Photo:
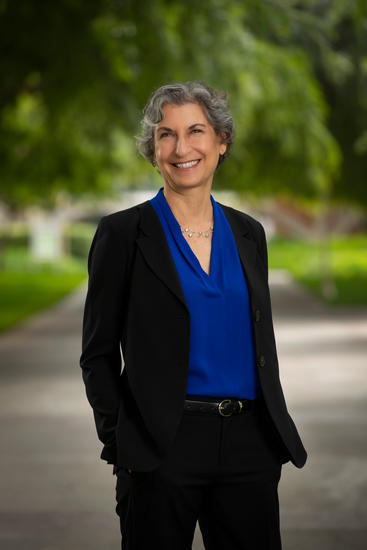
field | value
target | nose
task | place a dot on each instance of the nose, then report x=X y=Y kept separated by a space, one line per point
x=181 y=146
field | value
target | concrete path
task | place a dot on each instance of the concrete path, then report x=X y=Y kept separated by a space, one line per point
x=55 y=492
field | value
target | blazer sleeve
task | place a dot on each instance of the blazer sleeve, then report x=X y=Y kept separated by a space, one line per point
x=101 y=356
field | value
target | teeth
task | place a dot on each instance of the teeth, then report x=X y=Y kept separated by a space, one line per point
x=187 y=164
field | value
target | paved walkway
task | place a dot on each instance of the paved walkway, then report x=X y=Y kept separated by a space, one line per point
x=55 y=493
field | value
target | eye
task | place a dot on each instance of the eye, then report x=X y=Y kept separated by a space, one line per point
x=164 y=134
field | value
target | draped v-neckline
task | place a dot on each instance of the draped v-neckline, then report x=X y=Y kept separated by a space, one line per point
x=187 y=248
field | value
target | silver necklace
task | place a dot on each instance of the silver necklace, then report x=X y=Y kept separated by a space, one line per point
x=189 y=232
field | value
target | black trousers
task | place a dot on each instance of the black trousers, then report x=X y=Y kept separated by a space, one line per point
x=222 y=472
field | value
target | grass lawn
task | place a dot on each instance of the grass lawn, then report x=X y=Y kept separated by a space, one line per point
x=27 y=286
x=22 y=294
x=347 y=257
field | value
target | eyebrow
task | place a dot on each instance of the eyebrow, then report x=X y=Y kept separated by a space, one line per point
x=190 y=127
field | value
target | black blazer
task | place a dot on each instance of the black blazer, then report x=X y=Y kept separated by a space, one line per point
x=135 y=300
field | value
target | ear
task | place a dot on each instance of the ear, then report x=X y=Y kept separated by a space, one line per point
x=223 y=146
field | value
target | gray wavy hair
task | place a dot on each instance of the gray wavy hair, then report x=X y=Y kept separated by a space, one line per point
x=213 y=102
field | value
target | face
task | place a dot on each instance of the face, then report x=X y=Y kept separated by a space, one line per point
x=187 y=148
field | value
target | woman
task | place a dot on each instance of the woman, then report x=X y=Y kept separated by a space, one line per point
x=195 y=424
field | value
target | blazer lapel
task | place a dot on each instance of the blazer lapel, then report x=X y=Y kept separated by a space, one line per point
x=154 y=247
x=245 y=244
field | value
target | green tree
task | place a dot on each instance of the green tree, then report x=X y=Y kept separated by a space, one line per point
x=77 y=75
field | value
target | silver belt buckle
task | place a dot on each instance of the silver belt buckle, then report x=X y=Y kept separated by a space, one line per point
x=221 y=405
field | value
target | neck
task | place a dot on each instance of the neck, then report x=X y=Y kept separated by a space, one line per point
x=190 y=207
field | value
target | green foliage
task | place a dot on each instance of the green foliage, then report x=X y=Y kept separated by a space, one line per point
x=76 y=76
x=79 y=237
x=15 y=254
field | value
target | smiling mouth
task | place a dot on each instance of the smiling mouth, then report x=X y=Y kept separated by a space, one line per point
x=186 y=165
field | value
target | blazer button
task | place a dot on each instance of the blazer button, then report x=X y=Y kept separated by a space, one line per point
x=261 y=361
x=257 y=315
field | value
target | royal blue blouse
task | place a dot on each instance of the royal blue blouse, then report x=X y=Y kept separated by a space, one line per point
x=221 y=357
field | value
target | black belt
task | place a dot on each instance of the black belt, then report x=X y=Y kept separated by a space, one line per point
x=225 y=407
